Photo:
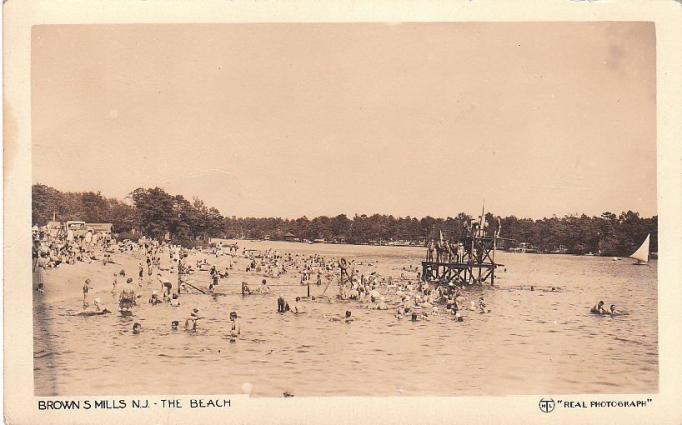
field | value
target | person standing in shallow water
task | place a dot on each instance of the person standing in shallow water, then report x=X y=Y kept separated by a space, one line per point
x=126 y=299
x=215 y=279
x=191 y=321
x=140 y=274
x=281 y=304
x=86 y=290
x=235 y=329
x=481 y=305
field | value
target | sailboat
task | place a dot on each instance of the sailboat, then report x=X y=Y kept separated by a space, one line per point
x=642 y=253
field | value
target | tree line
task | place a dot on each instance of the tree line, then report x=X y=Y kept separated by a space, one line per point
x=158 y=214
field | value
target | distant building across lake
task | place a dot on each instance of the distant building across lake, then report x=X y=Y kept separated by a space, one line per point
x=290 y=237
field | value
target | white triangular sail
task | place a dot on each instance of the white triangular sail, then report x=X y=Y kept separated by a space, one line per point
x=642 y=253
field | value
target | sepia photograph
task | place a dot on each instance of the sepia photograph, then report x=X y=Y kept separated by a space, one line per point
x=344 y=209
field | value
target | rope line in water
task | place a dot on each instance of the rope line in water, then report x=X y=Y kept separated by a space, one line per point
x=238 y=285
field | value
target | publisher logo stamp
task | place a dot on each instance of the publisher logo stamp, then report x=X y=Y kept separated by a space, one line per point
x=546 y=405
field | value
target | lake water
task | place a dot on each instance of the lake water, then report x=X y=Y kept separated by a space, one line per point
x=531 y=342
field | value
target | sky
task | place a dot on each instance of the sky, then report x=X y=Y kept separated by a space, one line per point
x=286 y=120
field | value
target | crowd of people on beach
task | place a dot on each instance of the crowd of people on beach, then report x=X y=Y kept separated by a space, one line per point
x=355 y=283
x=359 y=285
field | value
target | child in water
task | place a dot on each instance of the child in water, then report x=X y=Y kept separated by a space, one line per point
x=481 y=305
x=137 y=328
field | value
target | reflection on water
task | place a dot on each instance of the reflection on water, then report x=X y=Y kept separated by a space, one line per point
x=531 y=342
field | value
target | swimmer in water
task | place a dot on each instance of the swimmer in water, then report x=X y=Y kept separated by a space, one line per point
x=417 y=313
x=126 y=299
x=166 y=287
x=137 y=328
x=154 y=300
x=455 y=311
x=174 y=325
x=235 y=329
x=282 y=305
x=214 y=282
x=191 y=321
x=115 y=282
x=264 y=289
x=347 y=318
x=472 y=306
x=175 y=302
x=481 y=305
x=599 y=308
x=297 y=309
x=99 y=307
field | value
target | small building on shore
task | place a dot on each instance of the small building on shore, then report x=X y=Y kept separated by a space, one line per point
x=101 y=228
x=290 y=237
x=53 y=228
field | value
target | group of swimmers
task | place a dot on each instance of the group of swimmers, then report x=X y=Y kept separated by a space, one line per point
x=600 y=309
x=191 y=324
x=411 y=297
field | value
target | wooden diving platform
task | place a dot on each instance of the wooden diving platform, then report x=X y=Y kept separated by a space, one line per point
x=474 y=263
